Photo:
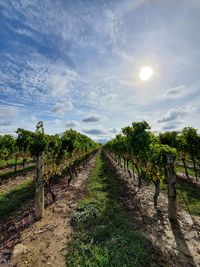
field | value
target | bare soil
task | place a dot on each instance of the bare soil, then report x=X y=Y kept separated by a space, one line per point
x=179 y=240
x=45 y=242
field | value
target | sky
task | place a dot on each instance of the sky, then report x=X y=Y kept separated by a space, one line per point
x=76 y=64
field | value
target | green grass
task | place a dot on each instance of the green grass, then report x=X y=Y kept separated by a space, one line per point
x=18 y=172
x=189 y=193
x=192 y=196
x=12 y=201
x=103 y=235
x=181 y=169
x=4 y=163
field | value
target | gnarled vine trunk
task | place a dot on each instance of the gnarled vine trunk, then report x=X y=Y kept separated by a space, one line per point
x=139 y=176
x=195 y=169
x=185 y=167
x=157 y=192
x=15 y=163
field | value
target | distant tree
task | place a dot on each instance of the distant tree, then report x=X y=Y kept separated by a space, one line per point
x=169 y=138
x=139 y=139
x=23 y=142
x=7 y=147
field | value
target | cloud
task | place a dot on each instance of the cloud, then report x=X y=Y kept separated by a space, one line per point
x=176 y=118
x=176 y=92
x=32 y=77
x=173 y=115
x=114 y=130
x=59 y=83
x=80 y=24
x=49 y=44
x=170 y=127
x=7 y=115
x=71 y=124
x=11 y=103
x=61 y=107
x=99 y=131
x=5 y=123
x=93 y=118
x=179 y=92
x=96 y=131
x=102 y=140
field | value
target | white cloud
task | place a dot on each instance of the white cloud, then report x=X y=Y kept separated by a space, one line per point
x=69 y=22
x=173 y=115
x=101 y=132
x=98 y=131
x=102 y=140
x=72 y=124
x=170 y=127
x=8 y=114
x=177 y=118
x=179 y=92
x=59 y=83
x=93 y=118
x=114 y=130
x=61 y=107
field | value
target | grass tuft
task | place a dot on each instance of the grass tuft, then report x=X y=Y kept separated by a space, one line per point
x=13 y=200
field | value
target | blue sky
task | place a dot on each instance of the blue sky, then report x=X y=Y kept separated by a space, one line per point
x=75 y=64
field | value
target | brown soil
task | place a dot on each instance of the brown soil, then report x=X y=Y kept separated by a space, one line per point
x=45 y=242
x=179 y=240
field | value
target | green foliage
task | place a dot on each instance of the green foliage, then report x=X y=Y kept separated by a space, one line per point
x=7 y=146
x=191 y=140
x=103 y=235
x=157 y=153
x=138 y=139
x=86 y=213
x=190 y=194
x=24 y=139
x=59 y=151
x=146 y=150
x=169 y=138
x=39 y=141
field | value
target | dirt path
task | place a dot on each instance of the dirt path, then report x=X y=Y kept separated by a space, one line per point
x=44 y=243
x=178 y=241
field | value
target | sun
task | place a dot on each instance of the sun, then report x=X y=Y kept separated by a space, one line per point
x=145 y=73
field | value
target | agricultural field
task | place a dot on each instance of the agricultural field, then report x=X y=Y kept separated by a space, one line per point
x=99 y=133
x=84 y=204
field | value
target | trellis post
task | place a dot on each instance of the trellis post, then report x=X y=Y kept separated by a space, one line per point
x=171 y=182
x=39 y=187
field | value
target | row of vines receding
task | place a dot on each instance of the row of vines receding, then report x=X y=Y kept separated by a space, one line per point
x=157 y=156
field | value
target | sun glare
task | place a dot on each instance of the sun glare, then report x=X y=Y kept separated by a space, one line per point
x=145 y=73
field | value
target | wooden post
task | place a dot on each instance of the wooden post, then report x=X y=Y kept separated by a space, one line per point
x=39 y=188
x=171 y=182
x=15 y=164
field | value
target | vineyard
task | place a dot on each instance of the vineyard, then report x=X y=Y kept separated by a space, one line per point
x=67 y=201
